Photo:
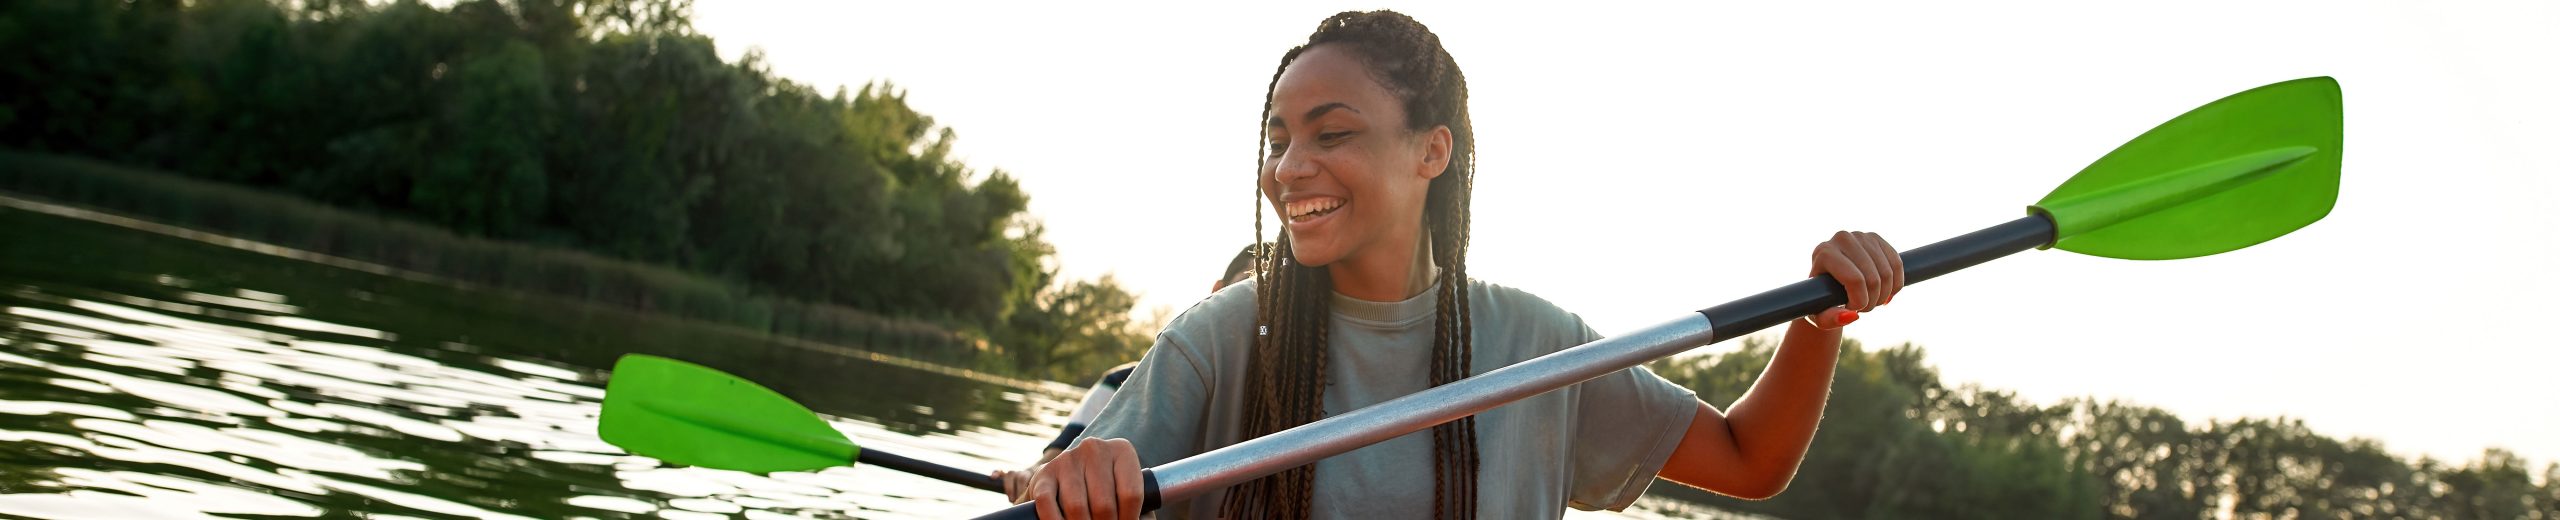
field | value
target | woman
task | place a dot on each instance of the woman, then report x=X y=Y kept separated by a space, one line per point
x=1370 y=155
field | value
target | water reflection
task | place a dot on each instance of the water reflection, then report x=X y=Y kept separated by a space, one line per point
x=187 y=403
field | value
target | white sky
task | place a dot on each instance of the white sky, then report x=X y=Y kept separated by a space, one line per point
x=1637 y=163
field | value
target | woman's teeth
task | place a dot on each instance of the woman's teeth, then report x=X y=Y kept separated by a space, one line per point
x=1312 y=208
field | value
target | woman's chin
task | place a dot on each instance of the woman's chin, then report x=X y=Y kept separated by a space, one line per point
x=1314 y=256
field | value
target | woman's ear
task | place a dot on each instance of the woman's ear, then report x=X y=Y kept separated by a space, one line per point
x=1435 y=152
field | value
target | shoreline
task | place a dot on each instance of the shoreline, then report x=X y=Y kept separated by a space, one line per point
x=13 y=199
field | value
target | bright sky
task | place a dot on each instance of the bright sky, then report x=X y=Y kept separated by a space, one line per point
x=1637 y=163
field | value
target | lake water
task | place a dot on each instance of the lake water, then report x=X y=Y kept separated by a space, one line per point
x=150 y=377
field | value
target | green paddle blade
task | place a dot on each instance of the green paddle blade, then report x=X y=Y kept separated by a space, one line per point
x=2242 y=170
x=691 y=414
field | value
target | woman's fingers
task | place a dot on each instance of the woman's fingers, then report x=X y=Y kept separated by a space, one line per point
x=1879 y=268
x=1070 y=471
x=1105 y=480
x=1835 y=259
x=1865 y=272
x=1868 y=269
x=1133 y=489
x=1070 y=493
x=1101 y=486
x=1097 y=478
x=1893 y=265
x=1044 y=494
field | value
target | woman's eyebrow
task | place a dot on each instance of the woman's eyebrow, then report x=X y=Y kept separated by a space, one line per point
x=1312 y=114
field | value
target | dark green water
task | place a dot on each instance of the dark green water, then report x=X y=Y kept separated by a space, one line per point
x=149 y=377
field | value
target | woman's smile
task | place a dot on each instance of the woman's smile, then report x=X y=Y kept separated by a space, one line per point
x=1312 y=208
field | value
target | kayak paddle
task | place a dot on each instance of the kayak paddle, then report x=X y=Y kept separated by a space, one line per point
x=694 y=415
x=2233 y=173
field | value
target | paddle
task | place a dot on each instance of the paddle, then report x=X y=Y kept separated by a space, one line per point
x=2230 y=174
x=693 y=415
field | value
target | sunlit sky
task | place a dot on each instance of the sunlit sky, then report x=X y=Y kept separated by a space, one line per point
x=1638 y=162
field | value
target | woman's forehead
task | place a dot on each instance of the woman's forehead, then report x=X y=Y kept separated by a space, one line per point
x=1325 y=79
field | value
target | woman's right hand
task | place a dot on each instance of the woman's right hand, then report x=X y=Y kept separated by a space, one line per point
x=1095 y=478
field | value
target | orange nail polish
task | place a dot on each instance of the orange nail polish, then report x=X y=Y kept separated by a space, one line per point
x=1847 y=316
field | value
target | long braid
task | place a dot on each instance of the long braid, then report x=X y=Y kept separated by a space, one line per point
x=1449 y=249
x=1447 y=212
x=1277 y=372
x=1292 y=304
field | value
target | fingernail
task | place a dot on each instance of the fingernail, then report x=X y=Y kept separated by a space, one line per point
x=1846 y=316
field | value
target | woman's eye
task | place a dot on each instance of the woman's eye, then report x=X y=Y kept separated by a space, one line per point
x=1277 y=147
x=1333 y=137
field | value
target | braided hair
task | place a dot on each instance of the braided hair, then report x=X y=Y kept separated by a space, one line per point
x=1286 y=372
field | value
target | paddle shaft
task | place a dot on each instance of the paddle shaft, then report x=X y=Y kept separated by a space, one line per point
x=872 y=457
x=1760 y=311
x=1308 y=443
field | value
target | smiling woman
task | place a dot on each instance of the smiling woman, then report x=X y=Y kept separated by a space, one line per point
x=1370 y=163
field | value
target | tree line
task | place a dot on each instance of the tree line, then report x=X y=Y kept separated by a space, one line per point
x=1897 y=442
x=607 y=126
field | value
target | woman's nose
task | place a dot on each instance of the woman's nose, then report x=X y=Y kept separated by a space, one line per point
x=1292 y=166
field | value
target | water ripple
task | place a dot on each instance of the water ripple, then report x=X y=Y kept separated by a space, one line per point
x=198 y=403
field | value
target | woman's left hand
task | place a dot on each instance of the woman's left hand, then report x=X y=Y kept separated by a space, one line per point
x=1865 y=265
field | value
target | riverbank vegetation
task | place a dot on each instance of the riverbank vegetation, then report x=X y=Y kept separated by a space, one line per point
x=1897 y=442
x=487 y=141
x=283 y=220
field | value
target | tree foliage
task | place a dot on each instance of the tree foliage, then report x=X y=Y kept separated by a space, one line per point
x=1896 y=442
x=603 y=125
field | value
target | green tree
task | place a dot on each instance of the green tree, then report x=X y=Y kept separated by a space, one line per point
x=1076 y=331
x=84 y=77
x=386 y=69
x=488 y=176
x=605 y=125
x=2153 y=465
x=2495 y=486
x=658 y=117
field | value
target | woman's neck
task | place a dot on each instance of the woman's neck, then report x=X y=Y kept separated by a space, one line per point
x=1385 y=278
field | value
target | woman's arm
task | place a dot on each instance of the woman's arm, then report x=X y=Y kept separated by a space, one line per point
x=1753 y=452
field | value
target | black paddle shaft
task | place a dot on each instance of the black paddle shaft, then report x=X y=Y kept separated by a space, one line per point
x=1760 y=311
x=872 y=457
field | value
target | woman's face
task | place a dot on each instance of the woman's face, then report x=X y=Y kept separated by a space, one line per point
x=1344 y=174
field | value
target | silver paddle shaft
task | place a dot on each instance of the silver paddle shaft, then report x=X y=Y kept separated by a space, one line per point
x=1244 y=461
